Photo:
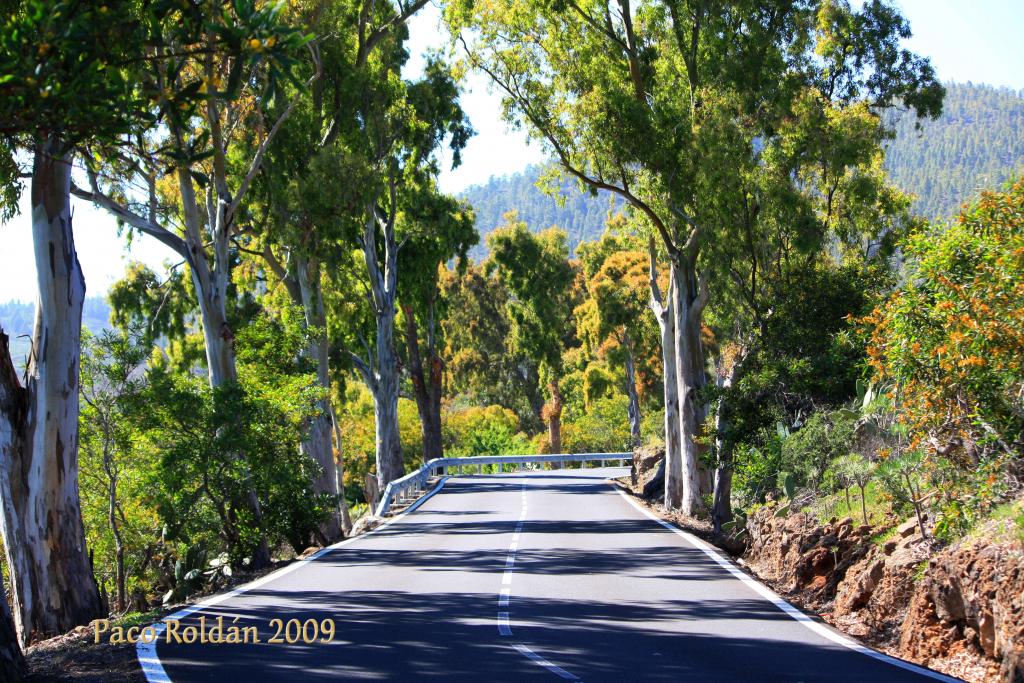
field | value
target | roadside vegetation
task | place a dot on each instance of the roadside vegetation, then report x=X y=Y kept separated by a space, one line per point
x=761 y=303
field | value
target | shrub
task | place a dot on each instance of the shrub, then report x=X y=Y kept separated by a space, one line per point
x=493 y=430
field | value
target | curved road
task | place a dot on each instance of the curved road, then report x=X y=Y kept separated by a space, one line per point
x=543 y=576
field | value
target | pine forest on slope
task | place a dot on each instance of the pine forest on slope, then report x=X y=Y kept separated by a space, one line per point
x=978 y=142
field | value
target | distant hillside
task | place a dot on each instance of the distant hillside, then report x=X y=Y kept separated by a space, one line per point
x=17 y=320
x=978 y=142
x=582 y=216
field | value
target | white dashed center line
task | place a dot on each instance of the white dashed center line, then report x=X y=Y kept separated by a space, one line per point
x=505 y=596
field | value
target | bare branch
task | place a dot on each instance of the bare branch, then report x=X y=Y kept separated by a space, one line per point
x=141 y=224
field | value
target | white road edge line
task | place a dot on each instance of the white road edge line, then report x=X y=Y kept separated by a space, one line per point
x=781 y=603
x=149 y=660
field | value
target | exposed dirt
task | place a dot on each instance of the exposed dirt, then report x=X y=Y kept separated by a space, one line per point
x=76 y=656
x=959 y=610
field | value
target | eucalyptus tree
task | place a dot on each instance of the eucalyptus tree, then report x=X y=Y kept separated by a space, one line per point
x=814 y=205
x=476 y=329
x=302 y=233
x=184 y=184
x=616 y=272
x=539 y=277
x=444 y=231
x=73 y=74
x=653 y=102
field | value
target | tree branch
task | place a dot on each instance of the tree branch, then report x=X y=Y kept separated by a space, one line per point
x=141 y=224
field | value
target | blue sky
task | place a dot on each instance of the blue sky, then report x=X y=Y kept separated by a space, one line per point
x=976 y=40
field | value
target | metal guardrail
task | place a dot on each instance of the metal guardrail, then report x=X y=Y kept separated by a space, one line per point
x=412 y=485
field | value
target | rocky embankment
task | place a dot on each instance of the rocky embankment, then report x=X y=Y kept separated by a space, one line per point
x=957 y=609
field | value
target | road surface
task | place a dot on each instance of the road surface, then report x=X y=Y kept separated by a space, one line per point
x=545 y=576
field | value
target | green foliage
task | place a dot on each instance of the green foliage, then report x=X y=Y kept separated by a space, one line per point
x=493 y=430
x=194 y=572
x=977 y=141
x=951 y=337
x=355 y=414
x=113 y=460
x=604 y=428
x=476 y=328
x=71 y=68
x=948 y=343
x=809 y=450
x=211 y=444
x=582 y=216
x=538 y=275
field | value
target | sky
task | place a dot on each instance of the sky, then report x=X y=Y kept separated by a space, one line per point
x=978 y=41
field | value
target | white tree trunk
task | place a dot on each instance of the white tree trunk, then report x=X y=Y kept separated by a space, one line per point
x=634 y=398
x=662 y=307
x=382 y=376
x=53 y=585
x=385 y=398
x=687 y=306
x=211 y=285
x=316 y=443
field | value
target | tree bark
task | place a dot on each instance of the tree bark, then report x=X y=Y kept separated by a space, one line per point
x=119 y=577
x=382 y=376
x=346 y=515
x=688 y=305
x=53 y=586
x=211 y=285
x=12 y=662
x=428 y=395
x=662 y=307
x=634 y=399
x=553 y=411
x=721 y=509
x=316 y=443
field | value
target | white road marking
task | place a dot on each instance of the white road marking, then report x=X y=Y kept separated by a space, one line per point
x=149 y=660
x=504 y=597
x=536 y=658
x=772 y=597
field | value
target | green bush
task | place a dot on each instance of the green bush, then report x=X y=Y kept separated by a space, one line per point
x=604 y=428
x=808 y=451
x=493 y=430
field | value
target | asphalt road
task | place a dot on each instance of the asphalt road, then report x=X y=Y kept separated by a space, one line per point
x=545 y=576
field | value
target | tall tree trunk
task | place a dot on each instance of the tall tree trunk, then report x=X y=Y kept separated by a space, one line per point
x=721 y=511
x=634 y=399
x=553 y=413
x=53 y=586
x=316 y=442
x=688 y=306
x=119 y=577
x=382 y=377
x=12 y=662
x=428 y=395
x=662 y=307
x=346 y=515
x=211 y=285
x=385 y=413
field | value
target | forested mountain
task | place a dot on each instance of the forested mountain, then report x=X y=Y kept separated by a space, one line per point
x=17 y=318
x=581 y=215
x=977 y=142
